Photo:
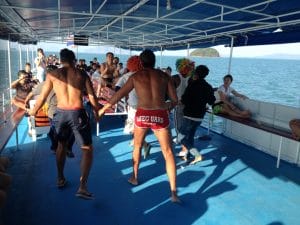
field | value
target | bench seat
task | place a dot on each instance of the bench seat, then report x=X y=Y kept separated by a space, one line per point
x=270 y=128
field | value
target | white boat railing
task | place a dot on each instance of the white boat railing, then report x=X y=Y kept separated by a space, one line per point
x=264 y=114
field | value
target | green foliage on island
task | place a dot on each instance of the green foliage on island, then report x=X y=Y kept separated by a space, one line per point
x=205 y=52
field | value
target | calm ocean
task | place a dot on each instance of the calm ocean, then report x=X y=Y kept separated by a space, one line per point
x=270 y=80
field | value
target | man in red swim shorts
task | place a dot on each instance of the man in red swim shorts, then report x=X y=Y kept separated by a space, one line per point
x=155 y=119
x=151 y=86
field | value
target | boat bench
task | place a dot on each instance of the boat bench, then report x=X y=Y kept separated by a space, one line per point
x=280 y=131
x=9 y=124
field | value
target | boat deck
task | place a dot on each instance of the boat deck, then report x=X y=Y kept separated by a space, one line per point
x=235 y=184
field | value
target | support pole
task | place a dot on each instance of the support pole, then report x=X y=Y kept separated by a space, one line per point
x=32 y=59
x=188 y=51
x=161 y=49
x=20 y=57
x=9 y=68
x=27 y=54
x=157 y=9
x=230 y=58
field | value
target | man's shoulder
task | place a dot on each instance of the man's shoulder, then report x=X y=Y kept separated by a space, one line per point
x=207 y=84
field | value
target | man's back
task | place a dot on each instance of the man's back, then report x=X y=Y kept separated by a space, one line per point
x=68 y=84
x=151 y=86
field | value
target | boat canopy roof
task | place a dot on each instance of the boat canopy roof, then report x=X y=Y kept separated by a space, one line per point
x=155 y=24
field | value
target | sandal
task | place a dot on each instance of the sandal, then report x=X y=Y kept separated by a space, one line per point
x=61 y=183
x=84 y=194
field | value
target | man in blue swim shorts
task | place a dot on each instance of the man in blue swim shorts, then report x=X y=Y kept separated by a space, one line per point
x=68 y=84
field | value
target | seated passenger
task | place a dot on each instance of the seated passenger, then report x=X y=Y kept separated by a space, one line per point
x=223 y=104
x=295 y=127
x=23 y=87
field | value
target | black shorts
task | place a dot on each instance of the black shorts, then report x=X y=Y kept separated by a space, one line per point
x=76 y=121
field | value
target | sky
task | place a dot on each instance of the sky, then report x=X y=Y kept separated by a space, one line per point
x=273 y=51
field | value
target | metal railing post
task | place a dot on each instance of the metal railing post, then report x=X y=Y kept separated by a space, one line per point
x=20 y=56
x=230 y=58
x=9 y=68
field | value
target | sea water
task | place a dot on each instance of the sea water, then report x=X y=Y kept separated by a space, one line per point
x=269 y=80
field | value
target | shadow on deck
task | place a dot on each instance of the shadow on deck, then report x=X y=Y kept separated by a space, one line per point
x=235 y=184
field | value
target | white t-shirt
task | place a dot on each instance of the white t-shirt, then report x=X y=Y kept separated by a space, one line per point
x=132 y=97
x=222 y=89
x=182 y=86
x=226 y=92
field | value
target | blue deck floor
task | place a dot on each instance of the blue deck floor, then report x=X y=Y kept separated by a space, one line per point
x=235 y=184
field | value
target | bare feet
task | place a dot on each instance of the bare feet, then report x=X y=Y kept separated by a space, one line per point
x=133 y=181
x=246 y=114
x=297 y=138
x=174 y=197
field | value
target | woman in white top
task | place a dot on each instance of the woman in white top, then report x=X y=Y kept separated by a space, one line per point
x=41 y=64
x=223 y=104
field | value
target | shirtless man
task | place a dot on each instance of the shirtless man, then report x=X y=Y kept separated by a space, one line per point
x=108 y=69
x=295 y=127
x=151 y=86
x=68 y=84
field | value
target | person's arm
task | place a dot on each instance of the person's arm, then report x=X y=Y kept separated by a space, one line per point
x=128 y=86
x=211 y=96
x=172 y=94
x=175 y=80
x=120 y=83
x=36 y=90
x=92 y=96
x=116 y=73
x=223 y=96
x=235 y=93
x=225 y=99
x=39 y=61
x=103 y=69
x=14 y=84
x=29 y=96
x=43 y=96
